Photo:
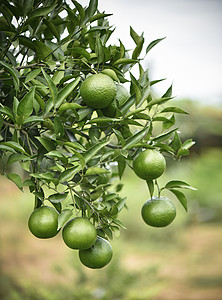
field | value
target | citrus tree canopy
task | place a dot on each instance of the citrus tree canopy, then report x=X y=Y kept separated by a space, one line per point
x=75 y=112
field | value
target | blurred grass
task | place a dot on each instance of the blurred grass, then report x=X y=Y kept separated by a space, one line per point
x=148 y=263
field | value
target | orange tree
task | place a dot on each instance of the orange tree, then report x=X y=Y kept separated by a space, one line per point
x=71 y=149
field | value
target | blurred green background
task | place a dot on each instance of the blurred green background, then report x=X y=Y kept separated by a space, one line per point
x=182 y=261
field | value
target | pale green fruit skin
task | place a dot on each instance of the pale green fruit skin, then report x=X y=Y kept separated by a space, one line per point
x=149 y=164
x=158 y=212
x=43 y=222
x=98 y=256
x=79 y=233
x=98 y=90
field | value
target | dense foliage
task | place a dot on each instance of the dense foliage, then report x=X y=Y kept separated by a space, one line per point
x=73 y=154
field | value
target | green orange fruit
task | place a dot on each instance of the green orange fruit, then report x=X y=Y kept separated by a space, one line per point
x=149 y=164
x=43 y=222
x=79 y=233
x=98 y=256
x=98 y=90
x=158 y=212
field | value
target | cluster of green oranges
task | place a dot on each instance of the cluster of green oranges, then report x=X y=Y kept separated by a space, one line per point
x=100 y=92
x=78 y=233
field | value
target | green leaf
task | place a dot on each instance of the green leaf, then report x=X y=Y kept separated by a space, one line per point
x=176 y=142
x=102 y=120
x=42 y=51
x=178 y=184
x=27 y=42
x=25 y=107
x=48 y=144
x=135 y=138
x=16 y=179
x=40 y=12
x=99 y=49
x=184 y=149
x=94 y=149
x=32 y=75
x=168 y=92
x=159 y=101
x=124 y=61
x=6 y=28
x=80 y=51
x=51 y=85
x=52 y=28
x=121 y=165
x=68 y=174
x=138 y=49
x=188 y=144
x=14 y=145
x=80 y=157
x=90 y=11
x=67 y=106
x=1 y=122
x=27 y=6
x=164 y=136
x=99 y=16
x=137 y=39
x=58 y=197
x=7 y=111
x=150 y=185
x=169 y=122
x=121 y=204
x=64 y=93
x=96 y=171
x=74 y=145
x=153 y=43
x=119 y=223
x=80 y=9
x=144 y=95
x=13 y=72
x=173 y=109
x=33 y=119
x=126 y=106
x=58 y=127
x=181 y=197
x=17 y=157
x=64 y=217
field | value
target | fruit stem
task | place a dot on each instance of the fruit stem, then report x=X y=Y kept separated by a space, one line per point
x=158 y=188
x=73 y=199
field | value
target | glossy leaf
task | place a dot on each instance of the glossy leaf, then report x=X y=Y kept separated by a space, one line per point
x=150 y=185
x=153 y=43
x=14 y=73
x=41 y=11
x=64 y=216
x=93 y=150
x=178 y=184
x=16 y=179
x=51 y=85
x=181 y=197
x=58 y=197
x=25 y=106
x=174 y=109
x=65 y=92
x=135 y=138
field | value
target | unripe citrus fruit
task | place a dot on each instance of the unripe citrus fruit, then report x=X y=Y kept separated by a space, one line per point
x=158 y=212
x=149 y=164
x=43 y=222
x=79 y=233
x=98 y=90
x=98 y=256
